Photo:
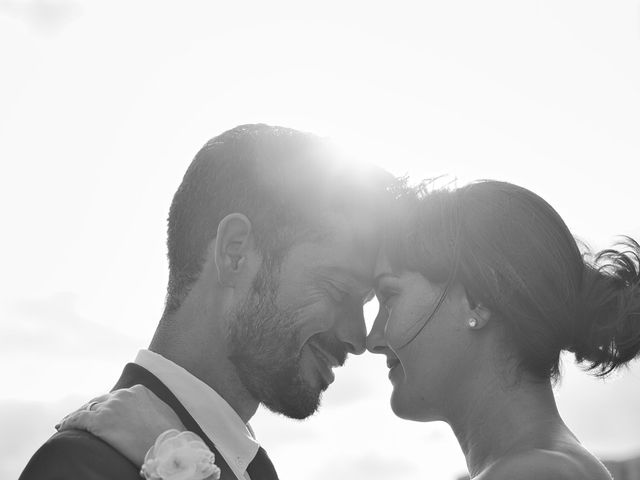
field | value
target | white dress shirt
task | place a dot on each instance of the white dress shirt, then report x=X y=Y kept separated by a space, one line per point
x=231 y=436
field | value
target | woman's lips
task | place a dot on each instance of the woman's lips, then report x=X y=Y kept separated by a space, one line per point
x=392 y=363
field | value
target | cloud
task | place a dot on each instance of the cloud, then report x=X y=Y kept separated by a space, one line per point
x=50 y=351
x=46 y=16
x=51 y=327
x=602 y=413
x=370 y=465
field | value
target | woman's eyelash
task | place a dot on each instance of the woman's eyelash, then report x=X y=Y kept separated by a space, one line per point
x=385 y=295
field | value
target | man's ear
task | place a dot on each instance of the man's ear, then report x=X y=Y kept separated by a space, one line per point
x=233 y=243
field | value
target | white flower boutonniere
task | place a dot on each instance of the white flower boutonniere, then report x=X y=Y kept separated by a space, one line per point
x=179 y=456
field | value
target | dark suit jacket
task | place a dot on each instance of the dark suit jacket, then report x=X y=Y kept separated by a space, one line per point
x=76 y=454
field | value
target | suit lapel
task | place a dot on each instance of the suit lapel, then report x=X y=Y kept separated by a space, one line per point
x=134 y=374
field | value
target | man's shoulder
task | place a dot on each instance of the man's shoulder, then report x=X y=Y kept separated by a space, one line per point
x=541 y=464
x=77 y=454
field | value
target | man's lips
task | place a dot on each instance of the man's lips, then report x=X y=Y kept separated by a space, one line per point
x=326 y=356
x=325 y=360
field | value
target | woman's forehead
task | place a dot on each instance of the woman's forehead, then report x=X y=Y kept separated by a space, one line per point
x=390 y=261
x=383 y=264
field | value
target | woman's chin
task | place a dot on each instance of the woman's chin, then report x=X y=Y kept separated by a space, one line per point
x=409 y=410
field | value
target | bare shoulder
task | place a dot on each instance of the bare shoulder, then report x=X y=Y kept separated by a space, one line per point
x=542 y=464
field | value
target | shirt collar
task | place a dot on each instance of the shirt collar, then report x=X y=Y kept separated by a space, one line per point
x=233 y=439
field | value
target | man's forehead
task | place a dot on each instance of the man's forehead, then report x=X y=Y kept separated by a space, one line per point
x=362 y=234
x=341 y=251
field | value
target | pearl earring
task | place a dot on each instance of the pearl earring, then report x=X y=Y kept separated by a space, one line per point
x=473 y=322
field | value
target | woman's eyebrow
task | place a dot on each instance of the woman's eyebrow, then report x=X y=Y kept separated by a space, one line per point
x=380 y=277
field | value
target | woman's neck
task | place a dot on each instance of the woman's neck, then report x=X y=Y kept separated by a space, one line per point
x=498 y=418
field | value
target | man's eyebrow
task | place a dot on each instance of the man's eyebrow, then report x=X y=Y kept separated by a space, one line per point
x=358 y=278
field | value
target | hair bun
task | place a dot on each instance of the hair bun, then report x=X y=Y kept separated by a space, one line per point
x=607 y=328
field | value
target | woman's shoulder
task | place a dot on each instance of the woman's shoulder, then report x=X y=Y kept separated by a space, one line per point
x=540 y=464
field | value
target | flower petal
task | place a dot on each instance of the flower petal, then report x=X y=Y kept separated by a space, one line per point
x=180 y=456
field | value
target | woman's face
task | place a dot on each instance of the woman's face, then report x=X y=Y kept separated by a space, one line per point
x=427 y=366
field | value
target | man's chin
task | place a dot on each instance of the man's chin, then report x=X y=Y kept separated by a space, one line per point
x=296 y=405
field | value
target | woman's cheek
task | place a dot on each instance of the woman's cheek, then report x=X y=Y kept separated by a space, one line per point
x=398 y=328
x=405 y=321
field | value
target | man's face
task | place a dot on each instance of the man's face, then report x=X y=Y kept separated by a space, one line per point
x=302 y=317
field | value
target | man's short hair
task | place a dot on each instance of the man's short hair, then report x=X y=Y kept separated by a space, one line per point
x=283 y=180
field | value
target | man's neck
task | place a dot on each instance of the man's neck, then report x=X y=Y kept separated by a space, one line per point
x=206 y=360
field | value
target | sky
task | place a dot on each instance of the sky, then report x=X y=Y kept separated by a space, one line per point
x=104 y=104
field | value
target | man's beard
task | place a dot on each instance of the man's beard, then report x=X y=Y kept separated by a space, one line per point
x=265 y=349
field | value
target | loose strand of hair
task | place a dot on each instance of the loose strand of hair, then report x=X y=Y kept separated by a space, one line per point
x=452 y=274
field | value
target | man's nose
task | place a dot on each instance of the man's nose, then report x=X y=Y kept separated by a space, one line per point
x=352 y=331
x=376 y=342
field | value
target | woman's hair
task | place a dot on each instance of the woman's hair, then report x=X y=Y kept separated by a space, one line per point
x=514 y=254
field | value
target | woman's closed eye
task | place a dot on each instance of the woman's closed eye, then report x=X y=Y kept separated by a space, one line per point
x=386 y=297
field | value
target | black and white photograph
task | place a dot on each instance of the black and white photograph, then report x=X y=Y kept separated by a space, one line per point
x=320 y=240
